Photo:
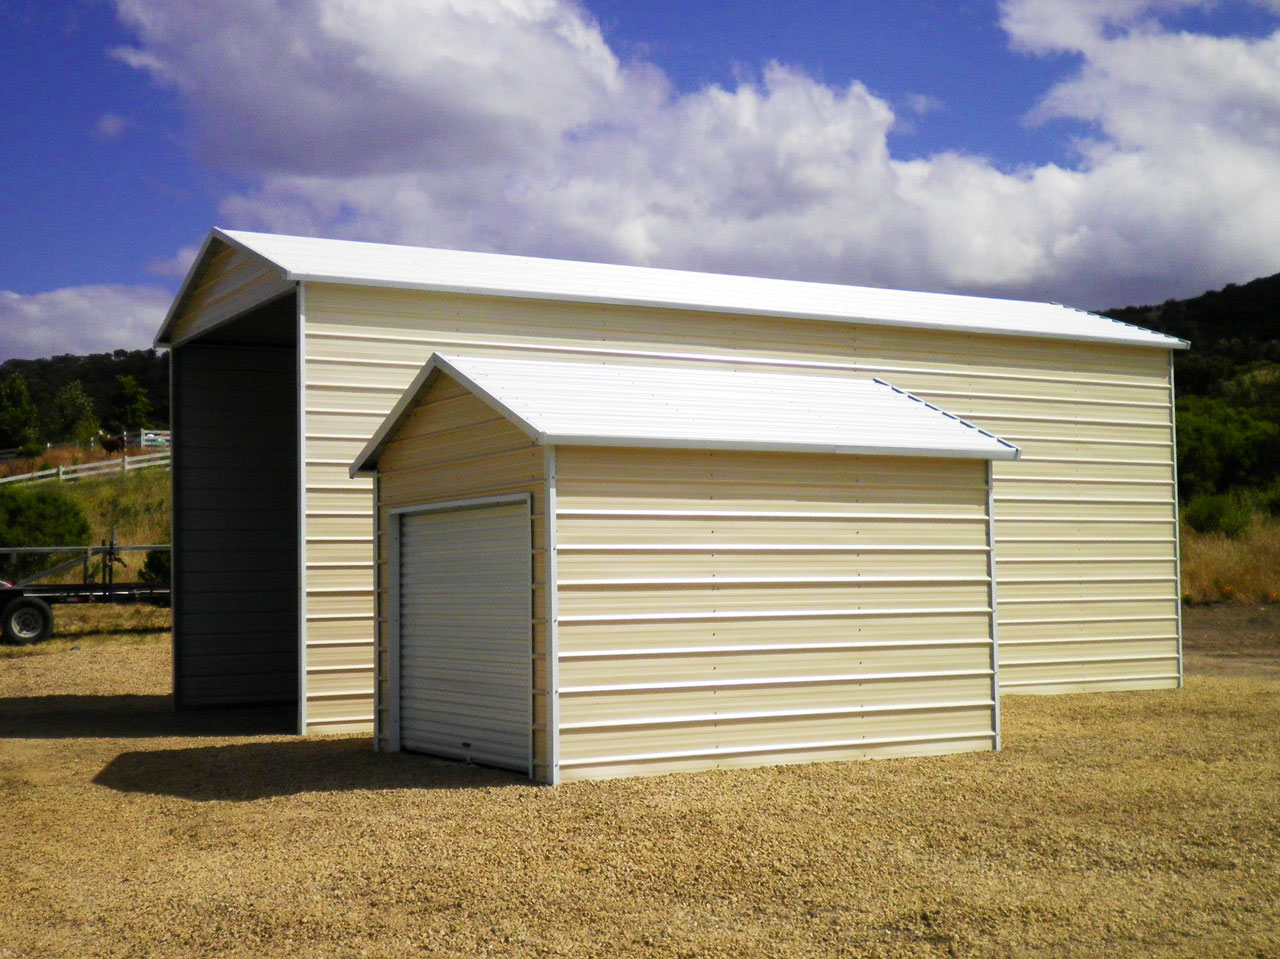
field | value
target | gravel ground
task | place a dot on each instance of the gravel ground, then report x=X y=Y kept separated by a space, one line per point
x=1134 y=824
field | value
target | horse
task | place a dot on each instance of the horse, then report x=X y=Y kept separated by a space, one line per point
x=112 y=444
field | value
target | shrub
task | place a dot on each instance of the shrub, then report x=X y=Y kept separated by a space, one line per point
x=44 y=516
x=1218 y=513
x=1269 y=499
x=157 y=567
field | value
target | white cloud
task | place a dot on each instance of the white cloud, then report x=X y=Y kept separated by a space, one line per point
x=176 y=265
x=347 y=86
x=922 y=103
x=511 y=125
x=80 y=319
x=111 y=125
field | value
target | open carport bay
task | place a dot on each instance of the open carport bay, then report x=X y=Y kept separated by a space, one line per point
x=1141 y=824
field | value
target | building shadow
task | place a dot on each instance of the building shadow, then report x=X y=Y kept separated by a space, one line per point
x=127 y=717
x=244 y=772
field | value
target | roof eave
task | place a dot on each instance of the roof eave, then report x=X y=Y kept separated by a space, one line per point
x=162 y=335
x=216 y=234
x=1004 y=452
x=366 y=462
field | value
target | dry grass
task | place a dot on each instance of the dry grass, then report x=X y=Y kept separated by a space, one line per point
x=64 y=456
x=98 y=624
x=1136 y=824
x=1216 y=567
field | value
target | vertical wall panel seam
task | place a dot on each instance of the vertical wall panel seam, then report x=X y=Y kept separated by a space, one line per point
x=393 y=634
x=301 y=438
x=992 y=598
x=1177 y=525
x=551 y=579
x=379 y=588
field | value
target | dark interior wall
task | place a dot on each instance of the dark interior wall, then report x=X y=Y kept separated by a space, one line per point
x=235 y=512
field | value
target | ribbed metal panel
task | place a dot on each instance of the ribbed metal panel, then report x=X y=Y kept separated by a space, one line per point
x=739 y=608
x=364 y=346
x=487 y=274
x=465 y=582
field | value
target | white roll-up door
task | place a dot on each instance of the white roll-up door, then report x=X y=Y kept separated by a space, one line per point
x=466 y=683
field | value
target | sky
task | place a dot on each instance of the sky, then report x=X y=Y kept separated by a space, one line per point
x=1091 y=152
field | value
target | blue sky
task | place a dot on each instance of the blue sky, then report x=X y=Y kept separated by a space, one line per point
x=1096 y=153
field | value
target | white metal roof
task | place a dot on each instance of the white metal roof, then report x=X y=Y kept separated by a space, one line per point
x=559 y=402
x=412 y=267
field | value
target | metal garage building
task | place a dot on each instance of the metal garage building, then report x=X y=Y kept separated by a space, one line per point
x=600 y=569
x=287 y=353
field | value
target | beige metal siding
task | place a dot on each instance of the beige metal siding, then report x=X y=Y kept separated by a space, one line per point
x=728 y=608
x=1085 y=520
x=231 y=283
x=1080 y=412
x=453 y=446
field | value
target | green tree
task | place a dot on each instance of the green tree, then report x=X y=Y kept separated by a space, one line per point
x=72 y=418
x=1223 y=447
x=17 y=413
x=44 y=516
x=130 y=408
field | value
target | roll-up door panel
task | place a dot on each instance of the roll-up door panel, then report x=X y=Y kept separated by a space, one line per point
x=466 y=634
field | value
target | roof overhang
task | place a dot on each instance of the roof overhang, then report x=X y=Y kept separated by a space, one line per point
x=312 y=260
x=704 y=401
x=215 y=239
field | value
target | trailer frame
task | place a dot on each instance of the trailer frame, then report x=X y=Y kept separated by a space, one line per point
x=26 y=616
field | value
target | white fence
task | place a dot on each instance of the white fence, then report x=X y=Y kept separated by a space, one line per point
x=121 y=465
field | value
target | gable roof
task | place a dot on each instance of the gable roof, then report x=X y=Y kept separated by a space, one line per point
x=559 y=402
x=492 y=274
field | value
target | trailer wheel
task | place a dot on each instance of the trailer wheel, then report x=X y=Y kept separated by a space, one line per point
x=26 y=620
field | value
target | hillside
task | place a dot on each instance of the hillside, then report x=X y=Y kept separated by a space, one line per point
x=1231 y=330
x=1228 y=387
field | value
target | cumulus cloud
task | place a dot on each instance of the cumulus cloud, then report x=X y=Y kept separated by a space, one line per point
x=511 y=125
x=80 y=319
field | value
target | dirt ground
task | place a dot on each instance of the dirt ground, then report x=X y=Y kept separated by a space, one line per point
x=1232 y=639
x=1124 y=824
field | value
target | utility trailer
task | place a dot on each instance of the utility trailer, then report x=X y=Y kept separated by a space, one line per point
x=26 y=614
